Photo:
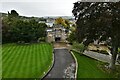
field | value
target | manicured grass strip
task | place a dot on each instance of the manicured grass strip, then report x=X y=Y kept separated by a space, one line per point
x=15 y=64
x=8 y=54
x=26 y=61
x=87 y=67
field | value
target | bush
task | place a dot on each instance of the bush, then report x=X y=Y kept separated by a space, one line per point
x=103 y=52
x=72 y=37
x=79 y=46
x=118 y=50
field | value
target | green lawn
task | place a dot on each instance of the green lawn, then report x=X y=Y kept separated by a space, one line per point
x=26 y=61
x=88 y=68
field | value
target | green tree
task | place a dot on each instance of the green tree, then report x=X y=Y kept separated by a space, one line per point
x=8 y=22
x=15 y=29
x=98 y=21
x=5 y=30
x=28 y=31
x=13 y=13
x=72 y=37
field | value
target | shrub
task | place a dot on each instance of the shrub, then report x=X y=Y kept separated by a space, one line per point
x=79 y=46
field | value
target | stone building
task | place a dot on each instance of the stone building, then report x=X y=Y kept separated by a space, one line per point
x=56 y=33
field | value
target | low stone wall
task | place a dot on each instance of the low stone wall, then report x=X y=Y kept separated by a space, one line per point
x=98 y=56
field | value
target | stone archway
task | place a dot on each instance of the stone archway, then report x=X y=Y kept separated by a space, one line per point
x=57 y=39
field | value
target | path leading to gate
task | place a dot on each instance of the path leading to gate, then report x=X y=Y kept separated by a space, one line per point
x=63 y=59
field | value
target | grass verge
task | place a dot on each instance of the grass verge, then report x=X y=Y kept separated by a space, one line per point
x=88 y=67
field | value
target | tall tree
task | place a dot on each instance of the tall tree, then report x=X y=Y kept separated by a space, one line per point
x=13 y=13
x=98 y=21
x=7 y=23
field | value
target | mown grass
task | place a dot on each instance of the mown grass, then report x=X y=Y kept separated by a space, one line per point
x=26 y=61
x=88 y=67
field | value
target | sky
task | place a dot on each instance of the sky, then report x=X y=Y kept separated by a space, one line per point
x=39 y=8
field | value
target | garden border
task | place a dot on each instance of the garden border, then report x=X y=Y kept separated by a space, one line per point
x=76 y=64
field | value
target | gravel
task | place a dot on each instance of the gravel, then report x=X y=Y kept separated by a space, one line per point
x=70 y=71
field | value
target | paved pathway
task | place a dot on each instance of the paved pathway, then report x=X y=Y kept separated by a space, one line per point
x=59 y=45
x=62 y=60
x=98 y=56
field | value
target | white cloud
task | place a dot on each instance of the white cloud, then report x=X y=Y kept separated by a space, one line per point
x=39 y=8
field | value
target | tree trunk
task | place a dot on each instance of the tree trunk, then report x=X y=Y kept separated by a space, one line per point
x=113 y=58
x=112 y=62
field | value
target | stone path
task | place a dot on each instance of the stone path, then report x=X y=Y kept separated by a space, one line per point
x=64 y=63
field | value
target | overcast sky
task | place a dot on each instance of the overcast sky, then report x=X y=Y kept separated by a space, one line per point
x=39 y=7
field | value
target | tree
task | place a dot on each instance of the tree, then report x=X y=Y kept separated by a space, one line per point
x=98 y=21
x=72 y=37
x=63 y=22
x=5 y=29
x=8 y=22
x=15 y=29
x=28 y=31
x=13 y=13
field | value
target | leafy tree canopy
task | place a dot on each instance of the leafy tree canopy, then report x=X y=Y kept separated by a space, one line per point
x=13 y=13
x=63 y=22
x=98 y=21
x=15 y=29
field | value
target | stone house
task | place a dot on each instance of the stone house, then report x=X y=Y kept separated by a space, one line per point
x=56 y=33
